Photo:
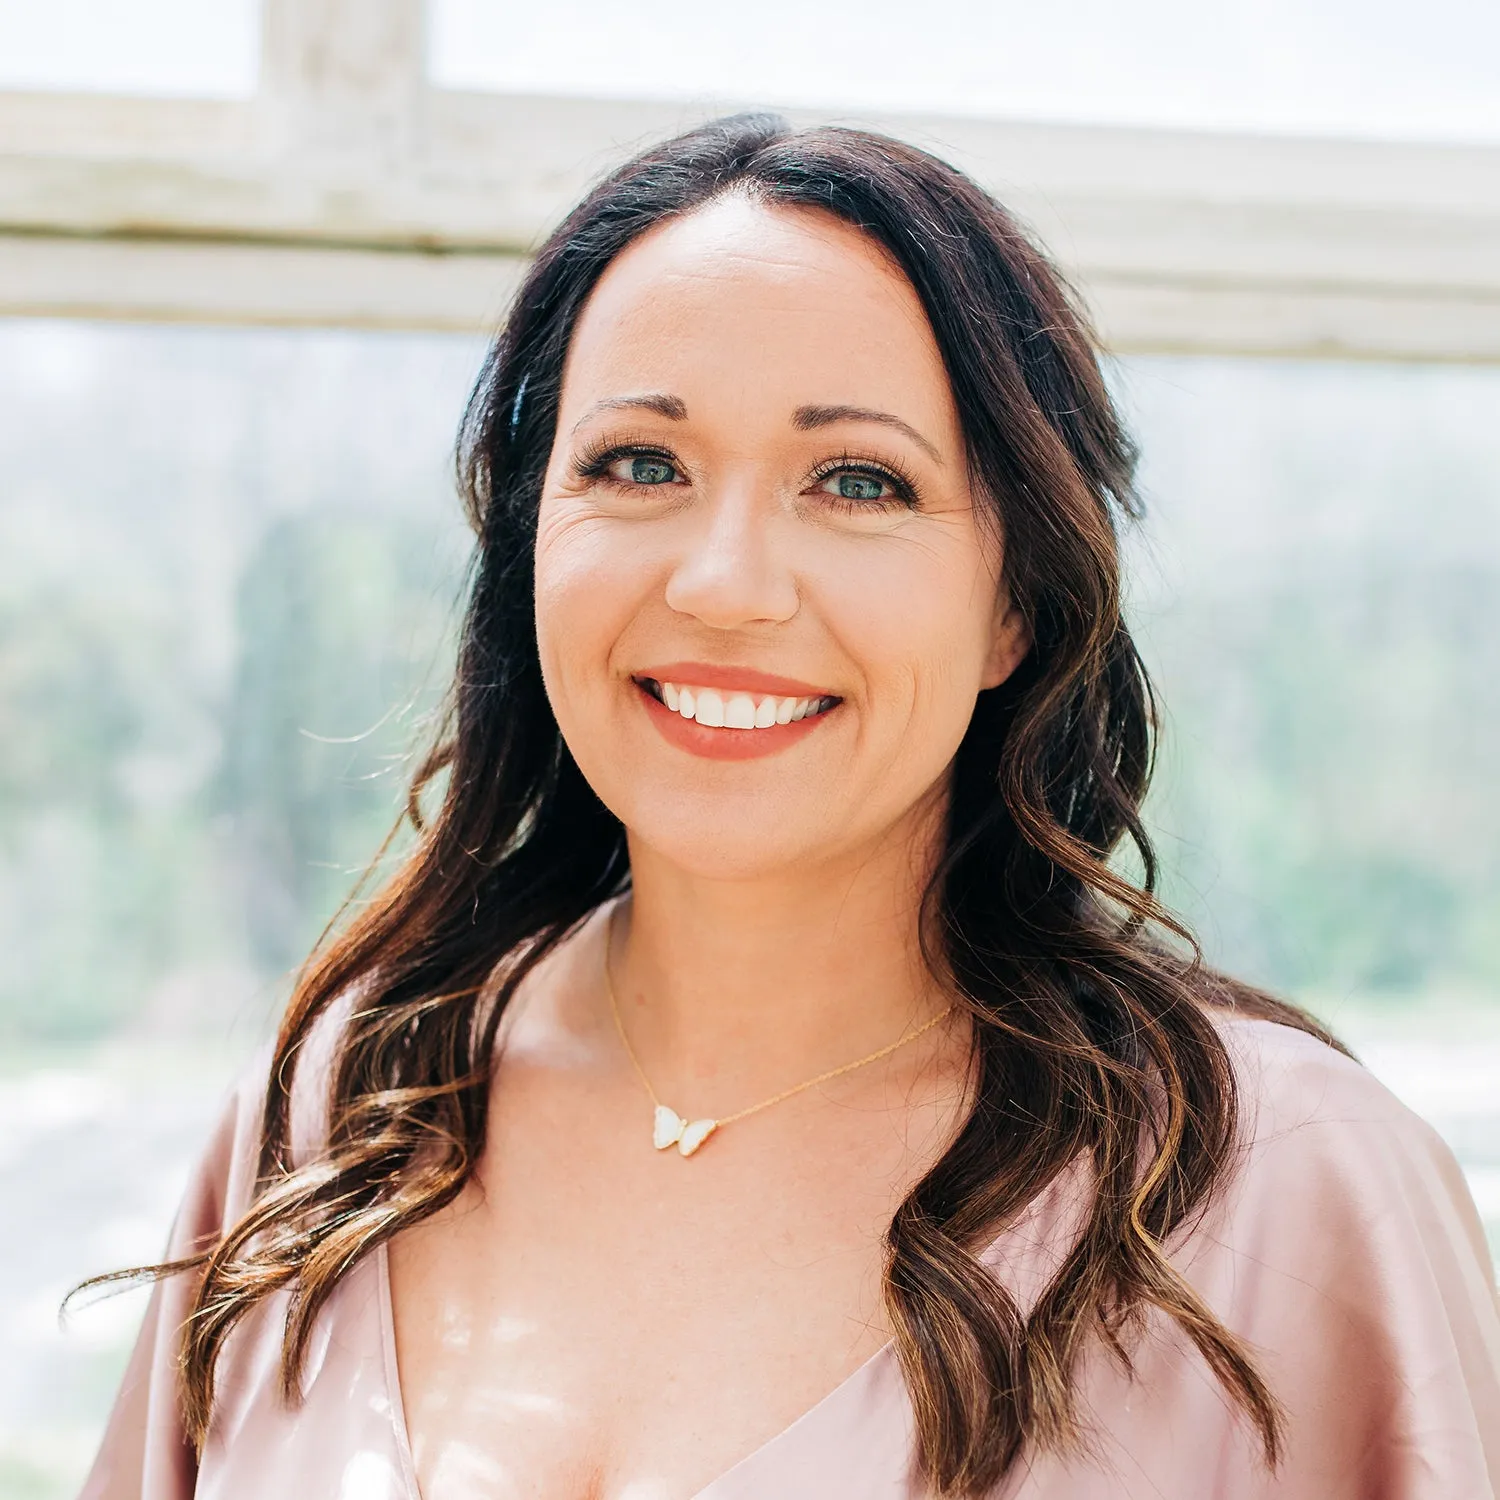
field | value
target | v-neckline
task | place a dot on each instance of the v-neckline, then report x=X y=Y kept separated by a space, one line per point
x=391 y=1373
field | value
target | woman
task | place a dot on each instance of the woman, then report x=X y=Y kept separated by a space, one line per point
x=759 y=1081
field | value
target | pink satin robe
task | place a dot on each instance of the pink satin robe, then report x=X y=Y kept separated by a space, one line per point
x=1345 y=1249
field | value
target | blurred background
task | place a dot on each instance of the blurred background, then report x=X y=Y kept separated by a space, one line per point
x=249 y=254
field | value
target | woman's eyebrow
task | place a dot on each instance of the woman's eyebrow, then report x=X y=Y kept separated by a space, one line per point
x=674 y=408
x=805 y=418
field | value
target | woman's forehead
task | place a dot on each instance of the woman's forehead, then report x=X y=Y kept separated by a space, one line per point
x=741 y=293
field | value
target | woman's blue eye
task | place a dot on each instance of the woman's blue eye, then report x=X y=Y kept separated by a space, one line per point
x=851 y=485
x=646 y=469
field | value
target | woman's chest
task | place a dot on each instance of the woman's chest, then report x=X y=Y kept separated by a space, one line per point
x=609 y=1320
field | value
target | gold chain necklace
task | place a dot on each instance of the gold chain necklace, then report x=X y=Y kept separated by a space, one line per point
x=670 y=1129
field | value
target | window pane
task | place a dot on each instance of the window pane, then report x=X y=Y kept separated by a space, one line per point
x=1314 y=584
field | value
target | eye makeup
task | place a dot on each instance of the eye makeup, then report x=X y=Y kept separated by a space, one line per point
x=903 y=488
x=595 y=460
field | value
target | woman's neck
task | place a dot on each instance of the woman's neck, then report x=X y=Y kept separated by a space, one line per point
x=734 y=989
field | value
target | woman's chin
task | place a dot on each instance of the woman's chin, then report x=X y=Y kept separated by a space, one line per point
x=727 y=849
x=766 y=828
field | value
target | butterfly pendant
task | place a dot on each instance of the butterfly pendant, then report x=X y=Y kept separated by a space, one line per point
x=672 y=1130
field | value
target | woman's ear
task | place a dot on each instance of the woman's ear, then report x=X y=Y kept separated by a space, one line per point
x=1010 y=640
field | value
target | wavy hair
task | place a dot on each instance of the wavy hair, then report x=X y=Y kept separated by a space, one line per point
x=1092 y=1037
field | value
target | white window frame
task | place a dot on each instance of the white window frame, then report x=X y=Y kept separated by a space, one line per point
x=350 y=192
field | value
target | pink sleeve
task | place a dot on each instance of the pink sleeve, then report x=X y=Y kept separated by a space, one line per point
x=1354 y=1263
x=145 y=1454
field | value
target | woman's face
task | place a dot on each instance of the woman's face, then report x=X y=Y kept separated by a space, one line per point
x=766 y=595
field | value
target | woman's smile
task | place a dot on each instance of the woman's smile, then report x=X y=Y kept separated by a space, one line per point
x=730 y=714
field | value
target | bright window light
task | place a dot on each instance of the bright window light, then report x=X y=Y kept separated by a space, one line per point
x=188 y=48
x=1361 y=68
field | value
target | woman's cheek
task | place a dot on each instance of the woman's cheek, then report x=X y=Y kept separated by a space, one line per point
x=916 y=614
x=578 y=592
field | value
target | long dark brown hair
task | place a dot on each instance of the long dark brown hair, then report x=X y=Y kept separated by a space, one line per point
x=1092 y=1037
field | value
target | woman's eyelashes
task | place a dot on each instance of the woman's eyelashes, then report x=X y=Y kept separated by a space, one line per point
x=852 y=484
x=858 y=484
x=628 y=466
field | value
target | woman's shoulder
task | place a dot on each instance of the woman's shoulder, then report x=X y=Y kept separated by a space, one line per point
x=145 y=1450
x=1315 y=1121
x=1337 y=1183
x=228 y=1165
x=1344 y=1248
x=1301 y=1099
x=1290 y=1079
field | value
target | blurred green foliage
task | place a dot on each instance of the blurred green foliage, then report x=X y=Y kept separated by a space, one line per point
x=1315 y=591
x=341 y=652
x=122 y=873
x=1327 y=790
x=225 y=617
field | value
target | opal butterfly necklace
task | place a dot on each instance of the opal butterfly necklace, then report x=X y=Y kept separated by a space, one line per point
x=670 y=1129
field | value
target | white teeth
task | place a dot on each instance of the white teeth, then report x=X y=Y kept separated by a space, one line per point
x=715 y=710
x=739 y=712
x=710 y=708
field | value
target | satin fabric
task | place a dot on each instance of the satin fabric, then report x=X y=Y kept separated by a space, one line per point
x=1345 y=1249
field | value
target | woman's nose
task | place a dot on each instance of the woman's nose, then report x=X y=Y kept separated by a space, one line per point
x=731 y=572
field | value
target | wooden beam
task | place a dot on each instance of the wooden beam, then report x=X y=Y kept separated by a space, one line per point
x=349 y=191
x=217 y=281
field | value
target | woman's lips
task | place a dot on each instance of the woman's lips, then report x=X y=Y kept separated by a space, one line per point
x=721 y=724
x=731 y=679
